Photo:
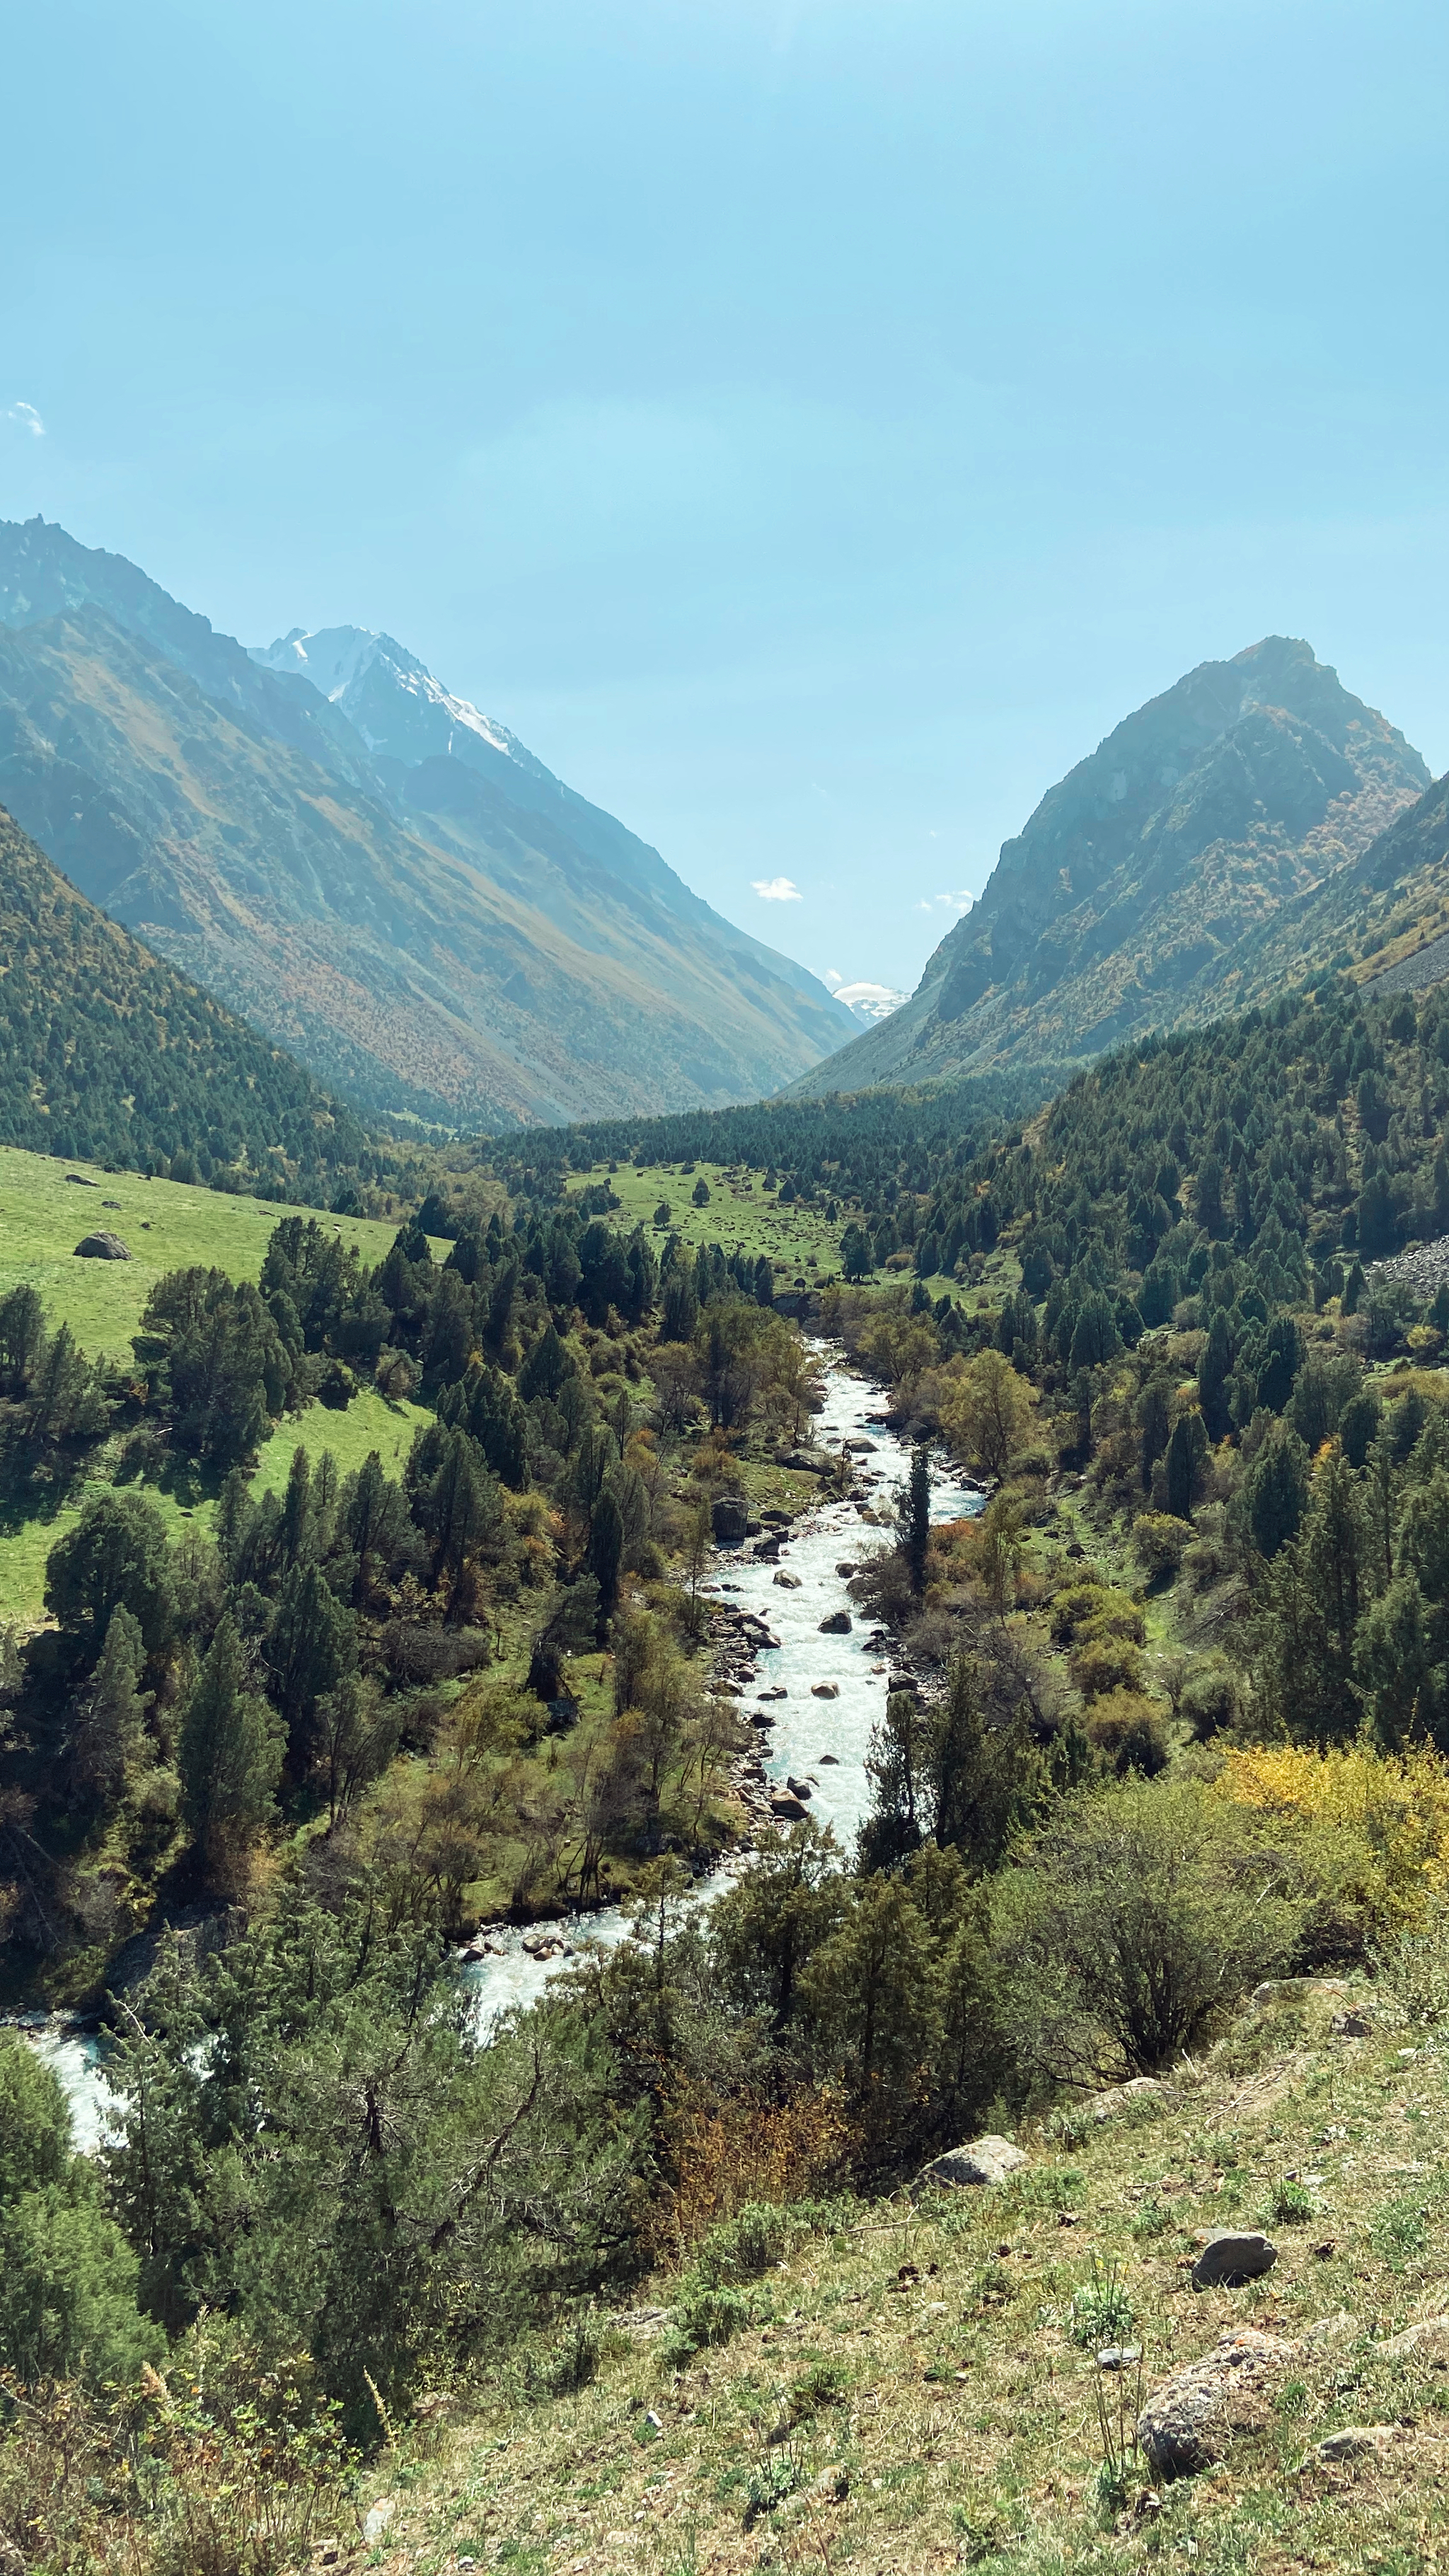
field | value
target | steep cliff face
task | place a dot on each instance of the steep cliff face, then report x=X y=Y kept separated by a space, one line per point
x=1133 y=894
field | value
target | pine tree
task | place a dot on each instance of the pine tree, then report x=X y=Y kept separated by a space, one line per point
x=916 y=1518
x=230 y=1750
x=111 y=1725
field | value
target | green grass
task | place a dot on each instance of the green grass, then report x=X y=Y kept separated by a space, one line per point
x=166 y=1225
x=960 y=2427
x=741 y=1214
x=43 y=1217
x=187 y=1499
x=369 y=1422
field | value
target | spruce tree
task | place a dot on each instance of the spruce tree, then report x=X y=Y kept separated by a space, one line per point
x=230 y=1750
x=916 y=1518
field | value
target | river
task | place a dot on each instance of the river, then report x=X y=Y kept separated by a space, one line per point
x=821 y=1742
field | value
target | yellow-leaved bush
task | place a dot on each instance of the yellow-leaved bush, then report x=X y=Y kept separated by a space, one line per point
x=1369 y=1831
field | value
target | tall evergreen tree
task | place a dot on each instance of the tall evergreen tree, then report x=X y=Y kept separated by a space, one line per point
x=230 y=1750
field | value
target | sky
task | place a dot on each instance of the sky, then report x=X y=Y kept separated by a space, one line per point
x=809 y=424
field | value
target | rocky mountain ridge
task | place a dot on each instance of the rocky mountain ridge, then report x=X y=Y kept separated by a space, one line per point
x=461 y=937
x=1144 y=889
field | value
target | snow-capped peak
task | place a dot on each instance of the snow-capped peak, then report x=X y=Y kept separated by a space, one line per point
x=372 y=678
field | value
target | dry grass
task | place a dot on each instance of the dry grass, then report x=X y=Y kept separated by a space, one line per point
x=910 y=2396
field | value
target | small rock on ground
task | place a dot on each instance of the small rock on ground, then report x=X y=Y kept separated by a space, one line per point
x=1231 y=2257
x=1355 y=2442
x=1142 y=2088
x=1430 y=2333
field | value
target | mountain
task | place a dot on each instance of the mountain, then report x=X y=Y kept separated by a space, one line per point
x=374 y=874
x=1143 y=891
x=109 y=1055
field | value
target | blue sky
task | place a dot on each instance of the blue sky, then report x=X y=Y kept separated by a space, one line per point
x=809 y=423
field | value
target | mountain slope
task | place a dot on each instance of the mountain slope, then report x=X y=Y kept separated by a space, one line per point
x=463 y=938
x=1145 y=882
x=108 y=1054
x=411 y=724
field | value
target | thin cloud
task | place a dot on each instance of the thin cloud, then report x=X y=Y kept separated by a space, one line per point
x=777 y=890
x=26 y=416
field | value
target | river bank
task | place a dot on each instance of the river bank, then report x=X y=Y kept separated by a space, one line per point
x=811 y=1687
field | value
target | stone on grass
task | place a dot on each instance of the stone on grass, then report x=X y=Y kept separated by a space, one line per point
x=1233 y=2256
x=979 y=2161
x=1431 y=2334
x=1189 y=2421
x=1286 y=1990
x=103 y=1246
x=1120 y=2097
x=729 y=1519
x=1355 y=2442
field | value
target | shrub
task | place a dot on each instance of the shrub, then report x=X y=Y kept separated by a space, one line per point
x=1414 y=1970
x=1211 y=1702
x=1291 y=2204
x=1092 y=1609
x=1367 y=1833
x=1103 y=1664
x=1128 y=1731
x=1131 y=1917
x=1160 y=1540
x=1101 y=2311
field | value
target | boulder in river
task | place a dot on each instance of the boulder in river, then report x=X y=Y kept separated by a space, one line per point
x=788 y=1582
x=825 y=1690
x=103 y=1246
x=839 y=1624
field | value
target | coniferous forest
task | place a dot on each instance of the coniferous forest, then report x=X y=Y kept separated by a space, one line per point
x=1167 y=1717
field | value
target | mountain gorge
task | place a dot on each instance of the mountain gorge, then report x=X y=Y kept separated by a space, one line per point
x=1170 y=877
x=375 y=875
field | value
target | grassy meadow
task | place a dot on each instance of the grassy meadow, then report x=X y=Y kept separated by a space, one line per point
x=166 y=1225
x=743 y=1215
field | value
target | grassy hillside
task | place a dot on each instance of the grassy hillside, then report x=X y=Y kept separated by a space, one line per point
x=166 y=1225
x=911 y=2392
